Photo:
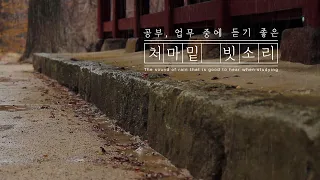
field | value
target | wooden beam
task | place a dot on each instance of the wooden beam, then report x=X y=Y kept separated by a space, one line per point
x=311 y=13
x=115 y=30
x=168 y=11
x=99 y=20
x=137 y=12
x=223 y=20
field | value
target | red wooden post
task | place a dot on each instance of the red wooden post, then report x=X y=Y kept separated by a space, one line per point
x=114 y=19
x=185 y=2
x=137 y=11
x=223 y=19
x=99 y=20
x=311 y=13
x=168 y=11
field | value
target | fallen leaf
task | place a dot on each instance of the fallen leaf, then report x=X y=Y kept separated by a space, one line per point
x=103 y=150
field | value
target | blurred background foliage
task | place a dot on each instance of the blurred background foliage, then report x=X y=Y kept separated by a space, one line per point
x=13 y=25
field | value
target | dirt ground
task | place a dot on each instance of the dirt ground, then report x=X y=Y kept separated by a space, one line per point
x=9 y=58
x=47 y=132
x=291 y=78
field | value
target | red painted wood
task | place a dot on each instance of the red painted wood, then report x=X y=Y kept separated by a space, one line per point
x=168 y=16
x=219 y=11
x=195 y=13
x=99 y=20
x=152 y=20
x=223 y=17
x=267 y=17
x=241 y=7
x=312 y=13
x=107 y=26
x=137 y=11
x=126 y=23
x=115 y=30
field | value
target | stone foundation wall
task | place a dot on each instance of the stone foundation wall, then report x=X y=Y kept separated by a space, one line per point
x=216 y=131
x=301 y=45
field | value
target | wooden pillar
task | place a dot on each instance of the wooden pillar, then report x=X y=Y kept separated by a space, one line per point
x=168 y=11
x=115 y=30
x=137 y=12
x=186 y=2
x=223 y=19
x=311 y=13
x=99 y=20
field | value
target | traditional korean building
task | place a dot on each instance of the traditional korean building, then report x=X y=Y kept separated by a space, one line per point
x=128 y=18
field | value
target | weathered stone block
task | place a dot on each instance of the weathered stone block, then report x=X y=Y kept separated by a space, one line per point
x=301 y=45
x=98 y=45
x=214 y=130
x=134 y=45
x=112 y=44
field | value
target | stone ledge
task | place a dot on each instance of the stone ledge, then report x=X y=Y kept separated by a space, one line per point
x=134 y=45
x=214 y=130
x=301 y=45
x=113 y=44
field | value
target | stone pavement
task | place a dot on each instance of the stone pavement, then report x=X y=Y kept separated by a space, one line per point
x=47 y=132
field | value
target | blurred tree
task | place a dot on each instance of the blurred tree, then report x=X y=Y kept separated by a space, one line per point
x=61 y=26
x=43 y=26
x=13 y=25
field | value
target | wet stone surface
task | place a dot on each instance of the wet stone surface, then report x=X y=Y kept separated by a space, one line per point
x=217 y=131
x=6 y=127
x=48 y=132
x=4 y=79
x=12 y=108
